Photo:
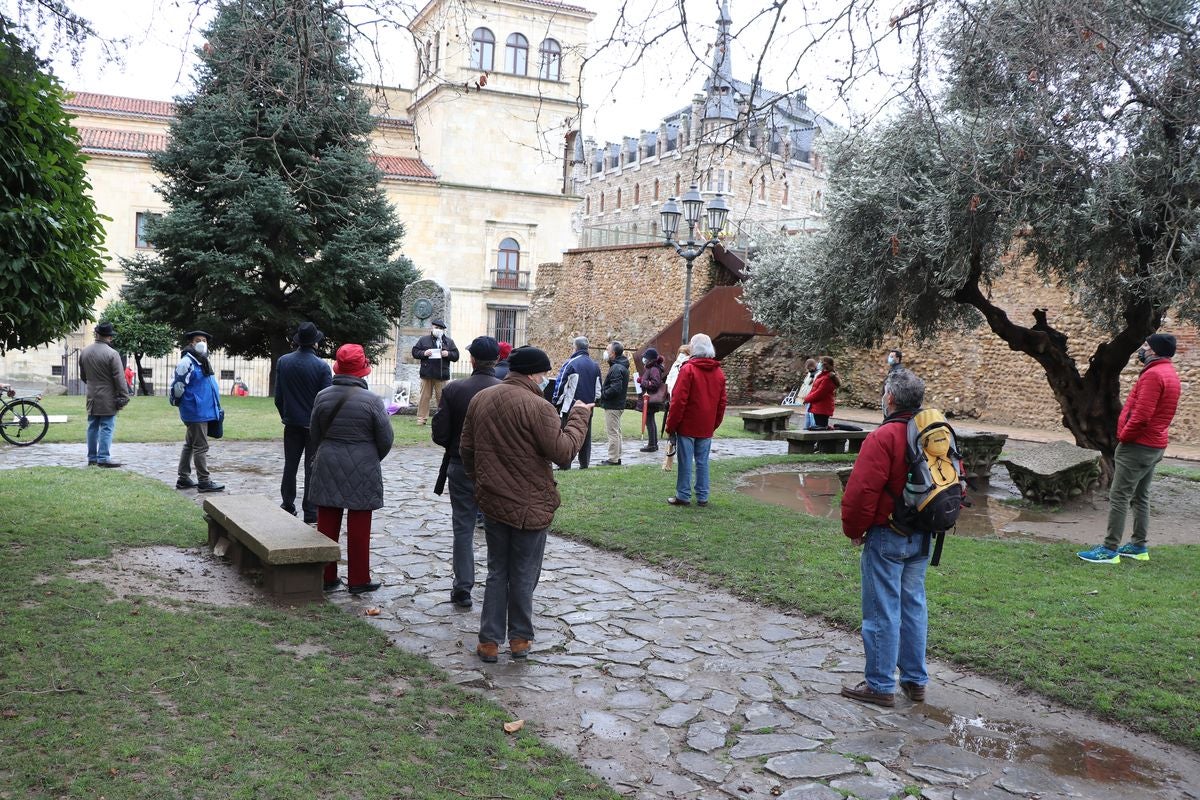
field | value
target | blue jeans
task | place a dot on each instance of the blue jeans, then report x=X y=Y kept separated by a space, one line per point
x=99 y=438
x=692 y=449
x=514 y=568
x=895 y=619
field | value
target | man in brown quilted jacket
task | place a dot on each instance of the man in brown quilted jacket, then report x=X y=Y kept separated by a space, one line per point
x=510 y=437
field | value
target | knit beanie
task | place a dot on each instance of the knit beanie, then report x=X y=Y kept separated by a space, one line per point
x=1163 y=344
x=528 y=360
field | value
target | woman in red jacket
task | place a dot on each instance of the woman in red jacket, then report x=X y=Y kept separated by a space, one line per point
x=821 y=396
x=696 y=410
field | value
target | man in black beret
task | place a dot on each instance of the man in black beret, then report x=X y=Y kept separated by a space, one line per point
x=447 y=430
x=435 y=350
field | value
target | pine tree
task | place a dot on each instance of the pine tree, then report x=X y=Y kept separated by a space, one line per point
x=276 y=214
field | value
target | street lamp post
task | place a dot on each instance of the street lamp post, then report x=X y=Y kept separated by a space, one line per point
x=714 y=223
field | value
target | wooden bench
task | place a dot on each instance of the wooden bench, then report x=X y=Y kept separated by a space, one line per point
x=291 y=555
x=806 y=442
x=767 y=421
x=1055 y=472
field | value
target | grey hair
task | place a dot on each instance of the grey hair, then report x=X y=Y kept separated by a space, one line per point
x=906 y=389
x=702 y=346
x=581 y=342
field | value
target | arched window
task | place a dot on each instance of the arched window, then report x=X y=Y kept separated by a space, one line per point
x=637 y=194
x=483 y=49
x=508 y=265
x=551 y=62
x=656 y=188
x=516 y=55
x=618 y=197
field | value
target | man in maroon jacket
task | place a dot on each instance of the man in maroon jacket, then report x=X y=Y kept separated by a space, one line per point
x=1141 y=442
x=894 y=615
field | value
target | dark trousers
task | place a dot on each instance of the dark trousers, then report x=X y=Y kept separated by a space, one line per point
x=651 y=428
x=514 y=568
x=295 y=445
x=585 y=452
x=463 y=512
x=820 y=420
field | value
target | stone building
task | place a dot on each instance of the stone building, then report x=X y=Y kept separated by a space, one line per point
x=758 y=148
x=473 y=157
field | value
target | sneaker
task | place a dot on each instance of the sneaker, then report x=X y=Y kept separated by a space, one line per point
x=488 y=652
x=461 y=599
x=1134 y=551
x=913 y=691
x=519 y=647
x=865 y=694
x=1100 y=555
x=185 y=482
x=608 y=462
x=210 y=486
x=362 y=588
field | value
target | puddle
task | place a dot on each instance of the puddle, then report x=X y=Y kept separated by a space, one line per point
x=816 y=494
x=1062 y=755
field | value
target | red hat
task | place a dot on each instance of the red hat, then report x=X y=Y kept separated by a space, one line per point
x=505 y=350
x=351 y=360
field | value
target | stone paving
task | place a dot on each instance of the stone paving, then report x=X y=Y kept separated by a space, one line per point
x=665 y=688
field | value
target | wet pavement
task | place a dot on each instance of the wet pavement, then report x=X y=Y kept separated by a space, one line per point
x=666 y=688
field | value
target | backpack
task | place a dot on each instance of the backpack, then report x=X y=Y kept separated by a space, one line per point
x=934 y=489
x=179 y=385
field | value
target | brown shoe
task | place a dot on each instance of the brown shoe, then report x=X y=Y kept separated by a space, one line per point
x=865 y=694
x=913 y=691
x=488 y=652
x=519 y=647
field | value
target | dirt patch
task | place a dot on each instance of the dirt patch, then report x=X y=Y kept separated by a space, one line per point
x=170 y=573
x=302 y=651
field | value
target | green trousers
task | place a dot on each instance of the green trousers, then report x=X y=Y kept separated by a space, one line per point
x=1134 y=469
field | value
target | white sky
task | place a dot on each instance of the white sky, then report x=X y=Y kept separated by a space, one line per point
x=621 y=99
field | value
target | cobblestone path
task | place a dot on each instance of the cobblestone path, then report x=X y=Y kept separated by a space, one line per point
x=668 y=689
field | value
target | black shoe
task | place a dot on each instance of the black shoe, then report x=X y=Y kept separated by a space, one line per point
x=607 y=463
x=364 y=587
x=185 y=483
x=291 y=510
x=702 y=503
x=333 y=586
x=648 y=449
x=108 y=464
x=308 y=521
x=210 y=486
x=461 y=599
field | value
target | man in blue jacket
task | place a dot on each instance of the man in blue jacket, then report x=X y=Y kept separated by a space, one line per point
x=196 y=392
x=579 y=379
x=298 y=377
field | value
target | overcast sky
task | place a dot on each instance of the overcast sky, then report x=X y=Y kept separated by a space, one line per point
x=621 y=99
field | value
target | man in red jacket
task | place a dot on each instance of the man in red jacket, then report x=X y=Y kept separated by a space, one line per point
x=894 y=615
x=1141 y=442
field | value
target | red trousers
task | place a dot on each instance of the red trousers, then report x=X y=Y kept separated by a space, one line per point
x=358 y=542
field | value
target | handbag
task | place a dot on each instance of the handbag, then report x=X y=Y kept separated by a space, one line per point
x=216 y=427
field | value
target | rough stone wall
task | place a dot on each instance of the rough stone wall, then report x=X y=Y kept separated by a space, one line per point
x=627 y=293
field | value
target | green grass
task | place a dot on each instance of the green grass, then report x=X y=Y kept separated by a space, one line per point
x=1184 y=473
x=1119 y=641
x=153 y=419
x=127 y=699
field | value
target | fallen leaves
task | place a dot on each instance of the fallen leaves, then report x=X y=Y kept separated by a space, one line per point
x=372 y=612
x=514 y=726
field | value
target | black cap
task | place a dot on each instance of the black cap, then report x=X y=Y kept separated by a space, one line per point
x=1163 y=344
x=439 y=323
x=307 y=334
x=484 y=348
x=193 y=334
x=105 y=329
x=528 y=360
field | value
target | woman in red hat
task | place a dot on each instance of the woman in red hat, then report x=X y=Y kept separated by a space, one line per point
x=350 y=434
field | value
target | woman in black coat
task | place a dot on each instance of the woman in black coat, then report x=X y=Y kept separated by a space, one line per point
x=350 y=432
x=654 y=392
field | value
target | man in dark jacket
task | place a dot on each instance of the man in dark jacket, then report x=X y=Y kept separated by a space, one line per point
x=435 y=350
x=510 y=437
x=100 y=369
x=1141 y=441
x=447 y=429
x=612 y=400
x=298 y=377
x=579 y=379
x=895 y=618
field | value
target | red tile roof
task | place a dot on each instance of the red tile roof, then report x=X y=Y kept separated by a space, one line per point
x=130 y=106
x=398 y=167
x=128 y=143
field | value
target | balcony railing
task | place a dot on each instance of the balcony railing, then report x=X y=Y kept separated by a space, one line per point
x=505 y=279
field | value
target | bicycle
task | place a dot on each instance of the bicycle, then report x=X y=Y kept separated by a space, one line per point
x=22 y=420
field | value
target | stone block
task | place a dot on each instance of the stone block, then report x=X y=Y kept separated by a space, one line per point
x=1055 y=472
x=980 y=451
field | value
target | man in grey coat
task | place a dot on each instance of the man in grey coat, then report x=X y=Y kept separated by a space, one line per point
x=100 y=368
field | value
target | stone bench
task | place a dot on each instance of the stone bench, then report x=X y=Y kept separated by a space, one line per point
x=980 y=451
x=767 y=421
x=807 y=442
x=292 y=555
x=1055 y=472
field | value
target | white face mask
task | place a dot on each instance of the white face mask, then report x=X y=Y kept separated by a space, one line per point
x=543 y=383
x=201 y=348
x=436 y=332
x=891 y=361
x=818 y=367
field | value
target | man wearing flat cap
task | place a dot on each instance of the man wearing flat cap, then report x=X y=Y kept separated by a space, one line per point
x=107 y=393
x=1141 y=442
x=510 y=437
x=298 y=377
x=447 y=431
x=196 y=392
x=435 y=350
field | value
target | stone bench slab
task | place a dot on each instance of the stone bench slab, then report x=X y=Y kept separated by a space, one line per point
x=804 y=442
x=768 y=421
x=767 y=413
x=1055 y=472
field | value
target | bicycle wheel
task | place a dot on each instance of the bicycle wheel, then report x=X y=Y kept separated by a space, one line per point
x=23 y=422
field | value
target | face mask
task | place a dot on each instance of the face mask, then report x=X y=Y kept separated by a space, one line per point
x=201 y=348
x=436 y=332
x=818 y=369
x=1142 y=355
x=543 y=383
x=891 y=361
